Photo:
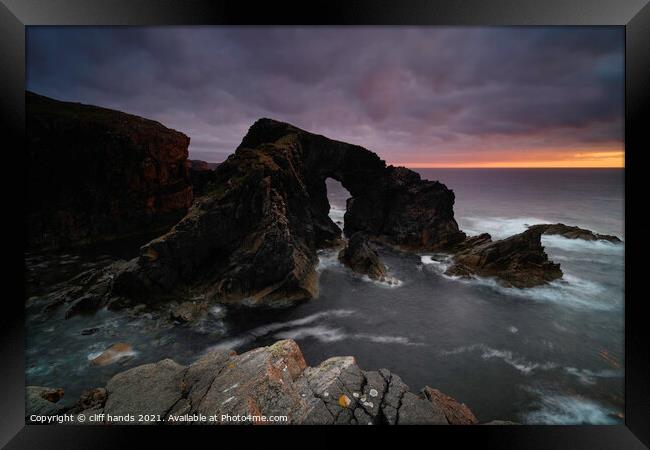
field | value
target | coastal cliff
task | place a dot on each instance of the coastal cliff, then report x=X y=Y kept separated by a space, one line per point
x=254 y=238
x=251 y=238
x=95 y=174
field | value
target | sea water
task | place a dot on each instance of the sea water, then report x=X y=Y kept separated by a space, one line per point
x=550 y=354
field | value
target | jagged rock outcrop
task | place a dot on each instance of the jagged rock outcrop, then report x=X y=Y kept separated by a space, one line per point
x=253 y=239
x=572 y=232
x=517 y=261
x=270 y=381
x=201 y=176
x=359 y=256
x=95 y=174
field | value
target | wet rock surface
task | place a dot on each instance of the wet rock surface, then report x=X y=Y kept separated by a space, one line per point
x=112 y=354
x=572 y=232
x=253 y=239
x=518 y=261
x=359 y=255
x=270 y=381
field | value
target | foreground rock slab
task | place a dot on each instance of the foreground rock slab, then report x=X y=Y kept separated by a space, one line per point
x=226 y=388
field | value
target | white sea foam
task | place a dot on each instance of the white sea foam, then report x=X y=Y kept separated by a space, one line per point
x=337 y=216
x=589 y=377
x=437 y=262
x=521 y=364
x=328 y=260
x=569 y=291
x=320 y=332
x=584 y=247
x=498 y=227
x=556 y=409
x=387 y=282
x=503 y=227
x=231 y=344
x=327 y=334
x=264 y=330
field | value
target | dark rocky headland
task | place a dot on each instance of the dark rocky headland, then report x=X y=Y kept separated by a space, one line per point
x=248 y=236
x=95 y=174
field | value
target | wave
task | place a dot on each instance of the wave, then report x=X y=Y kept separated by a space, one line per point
x=498 y=227
x=338 y=216
x=584 y=247
x=255 y=333
x=328 y=260
x=554 y=409
x=503 y=227
x=266 y=329
x=387 y=281
x=569 y=291
x=521 y=364
x=437 y=262
x=326 y=334
x=589 y=377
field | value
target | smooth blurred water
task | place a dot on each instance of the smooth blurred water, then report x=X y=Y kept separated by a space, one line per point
x=551 y=354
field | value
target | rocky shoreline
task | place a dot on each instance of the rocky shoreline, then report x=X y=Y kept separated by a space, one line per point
x=266 y=381
x=252 y=238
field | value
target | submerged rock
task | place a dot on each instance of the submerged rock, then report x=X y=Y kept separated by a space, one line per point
x=113 y=354
x=518 y=261
x=273 y=380
x=188 y=311
x=572 y=232
x=359 y=256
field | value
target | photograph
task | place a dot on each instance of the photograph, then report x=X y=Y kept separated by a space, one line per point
x=325 y=225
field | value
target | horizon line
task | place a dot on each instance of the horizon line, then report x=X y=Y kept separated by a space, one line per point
x=420 y=166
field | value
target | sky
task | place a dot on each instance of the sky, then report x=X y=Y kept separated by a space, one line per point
x=417 y=96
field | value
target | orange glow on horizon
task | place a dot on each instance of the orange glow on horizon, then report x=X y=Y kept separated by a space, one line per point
x=582 y=160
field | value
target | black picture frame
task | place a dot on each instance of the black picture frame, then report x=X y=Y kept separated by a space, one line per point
x=634 y=15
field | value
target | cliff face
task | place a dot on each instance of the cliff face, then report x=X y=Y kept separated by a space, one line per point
x=254 y=238
x=201 y=175
x=96 y=174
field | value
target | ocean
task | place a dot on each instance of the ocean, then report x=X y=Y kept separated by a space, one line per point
x=545 y=355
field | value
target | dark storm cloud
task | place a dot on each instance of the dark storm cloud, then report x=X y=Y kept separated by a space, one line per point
x=408 y=93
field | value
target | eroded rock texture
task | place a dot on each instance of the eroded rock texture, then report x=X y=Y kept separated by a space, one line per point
x=573 y=232
x=362 y=258
x=271 y=381
x=96 y=174
x=518 y=261
x=254 y=238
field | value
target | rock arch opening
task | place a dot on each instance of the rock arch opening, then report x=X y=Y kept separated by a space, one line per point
x=337 y=196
